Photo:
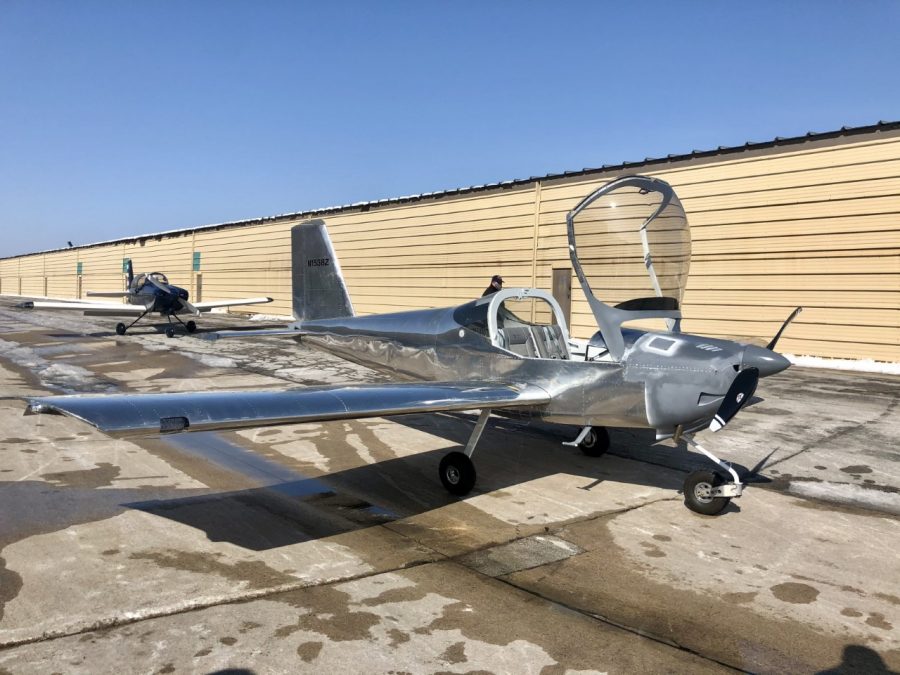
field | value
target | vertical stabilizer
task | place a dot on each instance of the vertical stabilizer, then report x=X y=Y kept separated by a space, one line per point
x=129 y=273
x=318 y=285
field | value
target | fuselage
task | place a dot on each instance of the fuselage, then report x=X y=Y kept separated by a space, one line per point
x=157 y=297
x=663 y=380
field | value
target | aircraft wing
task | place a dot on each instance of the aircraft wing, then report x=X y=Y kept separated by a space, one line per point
x=215 y=304
x=145 y=414
x=107 y=294
x=91 y=308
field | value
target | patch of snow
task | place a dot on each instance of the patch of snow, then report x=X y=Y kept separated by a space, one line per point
x=271 y=317
x=847 y=493
x=56 y=375
x=211 y=360
x=857 y=365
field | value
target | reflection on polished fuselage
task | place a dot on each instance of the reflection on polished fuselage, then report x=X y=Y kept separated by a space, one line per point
x=662 y=381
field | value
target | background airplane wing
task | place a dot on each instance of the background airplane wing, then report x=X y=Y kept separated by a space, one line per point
x=145 y=414
x=91 y=308
x=107 y=294
x=215 y=304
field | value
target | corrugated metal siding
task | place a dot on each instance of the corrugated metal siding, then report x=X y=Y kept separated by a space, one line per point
x=814 y=224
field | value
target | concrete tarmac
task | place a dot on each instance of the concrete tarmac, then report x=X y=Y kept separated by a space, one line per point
x=333 y=547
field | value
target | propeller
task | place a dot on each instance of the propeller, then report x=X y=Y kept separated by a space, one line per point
x=787 y=322
x=189 y=307
x=166 y=288
x=739 y=393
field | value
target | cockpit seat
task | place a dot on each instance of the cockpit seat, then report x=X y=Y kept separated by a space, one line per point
x=535 y=342
x=551 y=343
x=520 y=341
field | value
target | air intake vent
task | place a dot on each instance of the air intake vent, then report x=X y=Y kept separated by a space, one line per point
x=171 y=425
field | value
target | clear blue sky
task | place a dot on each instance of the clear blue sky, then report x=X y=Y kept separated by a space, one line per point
x=124 y=117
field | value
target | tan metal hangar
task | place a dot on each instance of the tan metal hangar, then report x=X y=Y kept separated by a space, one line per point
x=812 y=220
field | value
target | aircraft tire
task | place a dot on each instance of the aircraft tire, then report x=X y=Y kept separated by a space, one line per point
x=696 y=493
x=120 y=329
x=170 y=332
x=457 y=473
x=596 y=443
x=191 y=326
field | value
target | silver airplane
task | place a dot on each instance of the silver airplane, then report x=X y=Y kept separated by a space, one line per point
x=508 y=352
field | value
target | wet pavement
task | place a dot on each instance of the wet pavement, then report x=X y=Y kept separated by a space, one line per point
x=333 y=547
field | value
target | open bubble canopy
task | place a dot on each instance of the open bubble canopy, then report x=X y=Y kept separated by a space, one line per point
x=630 y=245
x=631 y=242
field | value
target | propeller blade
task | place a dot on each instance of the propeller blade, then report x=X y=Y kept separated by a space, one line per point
x=739 y=393
x=793 y=316
x=189 y=307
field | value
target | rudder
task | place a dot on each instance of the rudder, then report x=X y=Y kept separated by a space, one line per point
x=318 y=286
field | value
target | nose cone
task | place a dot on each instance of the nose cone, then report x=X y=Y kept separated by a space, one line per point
x=767 y=361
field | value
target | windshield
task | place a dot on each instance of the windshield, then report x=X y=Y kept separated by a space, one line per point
x=632 y=242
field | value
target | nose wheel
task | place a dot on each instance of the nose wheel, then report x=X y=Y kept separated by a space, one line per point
x=120 y=329
x=700 y=490
x=709 y=492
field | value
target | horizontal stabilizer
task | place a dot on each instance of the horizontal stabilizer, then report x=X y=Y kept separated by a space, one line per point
x=217 y=304
x=145 y=414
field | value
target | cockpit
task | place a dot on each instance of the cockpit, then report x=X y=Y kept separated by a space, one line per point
x=141 y=280
x=524 y=321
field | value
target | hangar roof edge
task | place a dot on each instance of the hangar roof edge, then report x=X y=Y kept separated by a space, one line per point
x=809 y=136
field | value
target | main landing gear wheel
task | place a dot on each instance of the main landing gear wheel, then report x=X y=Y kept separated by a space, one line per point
x=596 y=443
x=170 y=332
x=191 y=326
x=698 y=497
x=120 y=329
x=457 y=473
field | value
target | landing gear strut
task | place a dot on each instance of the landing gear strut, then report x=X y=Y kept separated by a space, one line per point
x=121 y=327
x=457 y=471
x=709 y=492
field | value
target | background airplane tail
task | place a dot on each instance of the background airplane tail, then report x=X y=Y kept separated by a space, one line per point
x=129 y=272
x=318 y=285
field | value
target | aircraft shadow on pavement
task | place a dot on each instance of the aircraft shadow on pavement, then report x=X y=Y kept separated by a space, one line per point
x=510 y=453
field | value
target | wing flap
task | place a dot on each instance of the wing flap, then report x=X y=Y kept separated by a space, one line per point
x=216 y=304
x=144 y=414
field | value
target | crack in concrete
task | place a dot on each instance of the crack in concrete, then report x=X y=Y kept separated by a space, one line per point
x=119 y=621
x=843 y=431
x=628 y=629
x=593 y=615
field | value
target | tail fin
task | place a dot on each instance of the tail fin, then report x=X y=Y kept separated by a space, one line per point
x=318 y=285
x=129 y=271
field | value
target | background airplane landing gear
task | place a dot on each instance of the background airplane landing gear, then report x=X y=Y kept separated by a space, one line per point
x=698 y=493
x=120 y=329
x=595 y=443
x=170 y=332
x=190 y=326
x=457 y=473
